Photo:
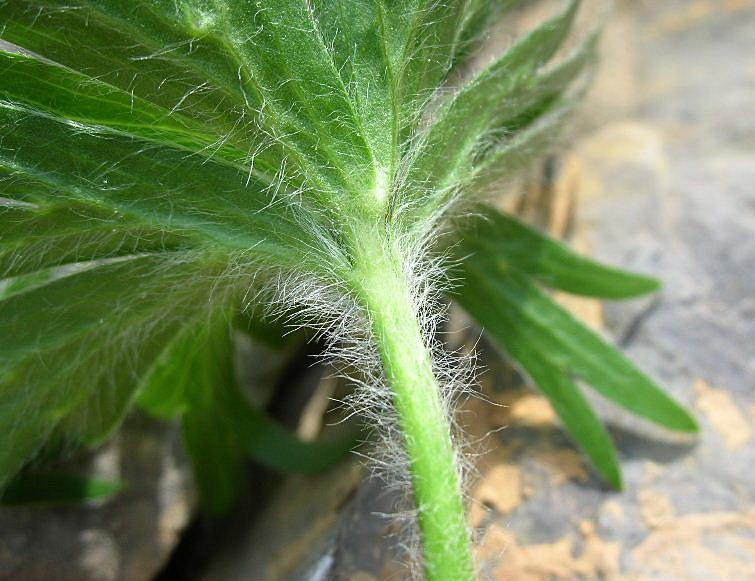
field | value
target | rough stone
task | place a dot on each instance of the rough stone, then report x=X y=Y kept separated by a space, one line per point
x=127 y=538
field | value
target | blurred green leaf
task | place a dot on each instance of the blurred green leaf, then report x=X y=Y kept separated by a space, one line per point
x=57 y=333
x=194 y=379
x=452 y=144
x=50 y=488
x=516 y=313
x=521 y=247
x=573 y=409
x=552 y=346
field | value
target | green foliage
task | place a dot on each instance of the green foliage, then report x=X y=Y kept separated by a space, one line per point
x=165 y=164
x=194 y=379
x=500 y=262
x=515 y=245
x=33 y=488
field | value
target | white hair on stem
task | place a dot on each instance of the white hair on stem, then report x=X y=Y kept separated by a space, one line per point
x=327 y=304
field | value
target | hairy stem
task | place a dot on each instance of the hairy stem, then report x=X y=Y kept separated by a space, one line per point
x=427 y=435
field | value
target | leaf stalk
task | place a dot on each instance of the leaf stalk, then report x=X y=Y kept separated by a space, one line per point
x=386 y=296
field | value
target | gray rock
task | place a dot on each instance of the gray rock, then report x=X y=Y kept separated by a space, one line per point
x=127 y=538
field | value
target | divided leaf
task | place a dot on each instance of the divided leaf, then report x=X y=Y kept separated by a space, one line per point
x=193 y=379
x=474 y=119
x=550 y=344
x=158 y=160
x=73 y=345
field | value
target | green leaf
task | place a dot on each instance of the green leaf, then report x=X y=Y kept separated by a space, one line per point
x=496 y=263
x=159 y=155
x=32 y=280
x=359 y=36
x=150 y=185
x=274 y=446
x=538 y=138
x=449 y=148
x=77 y=97
x=41 y=237
x=183 y=382
x=573 y=409
x=64 y=310
x=517 y=313
x=194 y=379
x=475 y=21
x=111 y=234
x=162 y=162
x=444 y=33
x=186 y=57
x=392 y=57
x=53 y=488
x=57 y=335
x=519 y=246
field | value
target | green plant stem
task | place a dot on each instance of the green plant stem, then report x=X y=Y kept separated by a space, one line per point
x=427 y=436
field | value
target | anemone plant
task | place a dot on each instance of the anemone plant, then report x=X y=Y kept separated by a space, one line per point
x=167 y=166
